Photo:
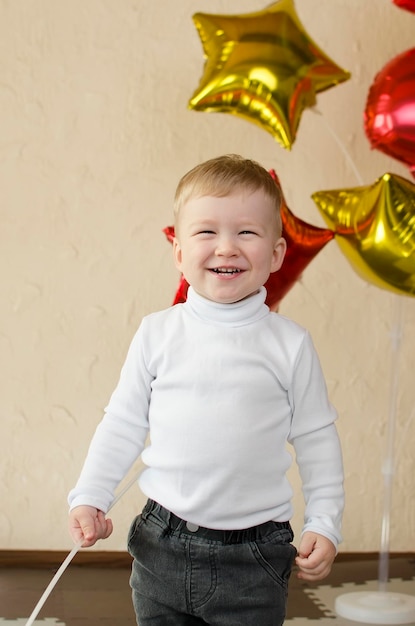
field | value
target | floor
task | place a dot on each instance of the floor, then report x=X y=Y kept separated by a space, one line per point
x=95 y=595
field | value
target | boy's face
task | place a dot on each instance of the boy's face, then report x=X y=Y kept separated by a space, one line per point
x=227 y=247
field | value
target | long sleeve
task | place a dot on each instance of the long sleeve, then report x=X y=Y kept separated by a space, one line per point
x=120 y=437
x=317 y=446
x=322 y=480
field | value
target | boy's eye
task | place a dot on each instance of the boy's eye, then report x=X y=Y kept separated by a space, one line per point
x=247 y=232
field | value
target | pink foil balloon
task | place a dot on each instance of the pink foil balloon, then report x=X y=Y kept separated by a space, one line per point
x=389 y=116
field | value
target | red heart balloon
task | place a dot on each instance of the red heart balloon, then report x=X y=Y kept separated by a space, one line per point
x=389 y=116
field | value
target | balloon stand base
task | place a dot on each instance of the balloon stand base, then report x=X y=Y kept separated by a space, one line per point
x=376 y=607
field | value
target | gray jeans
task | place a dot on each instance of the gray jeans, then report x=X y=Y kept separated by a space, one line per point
x=186 y=576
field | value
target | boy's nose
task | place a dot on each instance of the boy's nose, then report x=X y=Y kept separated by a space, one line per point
x=227 y=247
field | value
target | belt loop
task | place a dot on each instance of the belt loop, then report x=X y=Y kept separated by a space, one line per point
x=146 y=510
x=170 y=520
x=257 y=533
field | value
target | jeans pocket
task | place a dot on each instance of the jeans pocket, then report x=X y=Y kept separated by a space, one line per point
x=275 y=558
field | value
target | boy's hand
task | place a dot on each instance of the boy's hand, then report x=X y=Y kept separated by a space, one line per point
x=88 y=524
x=315 y=556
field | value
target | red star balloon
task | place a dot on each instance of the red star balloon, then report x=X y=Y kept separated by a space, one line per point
x=263 y=67
x=304 y=241
x=375 y=229
x=389 y=116
x=409 y=5
x=181 y=292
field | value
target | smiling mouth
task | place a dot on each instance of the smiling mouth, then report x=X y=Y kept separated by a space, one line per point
x=226 y=270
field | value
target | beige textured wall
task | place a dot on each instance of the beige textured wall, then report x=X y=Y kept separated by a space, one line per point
x=95 y=133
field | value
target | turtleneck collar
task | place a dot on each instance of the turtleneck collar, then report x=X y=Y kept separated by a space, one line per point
x=239 y=313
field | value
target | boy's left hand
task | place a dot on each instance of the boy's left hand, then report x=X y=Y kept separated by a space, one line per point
x=315 y=556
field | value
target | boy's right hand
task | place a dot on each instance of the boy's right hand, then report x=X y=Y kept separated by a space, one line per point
x=88 y=524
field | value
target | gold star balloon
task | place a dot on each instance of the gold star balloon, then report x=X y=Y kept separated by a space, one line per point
x=375 y=229
x=263 y=67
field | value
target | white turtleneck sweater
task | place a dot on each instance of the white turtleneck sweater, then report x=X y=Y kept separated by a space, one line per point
x=220 y=389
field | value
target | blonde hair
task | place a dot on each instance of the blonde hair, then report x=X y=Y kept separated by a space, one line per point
x=223 y=175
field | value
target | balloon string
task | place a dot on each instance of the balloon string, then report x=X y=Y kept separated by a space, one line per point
x=52 y=584
x=388 y=466
x=68 y=559
x=341 y=146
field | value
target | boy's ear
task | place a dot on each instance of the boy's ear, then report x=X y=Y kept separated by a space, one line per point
x=280 y=249
x=177 y=254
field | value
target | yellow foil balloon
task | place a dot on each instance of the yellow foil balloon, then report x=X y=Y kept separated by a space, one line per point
x=263 y=67
x=375 y=229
